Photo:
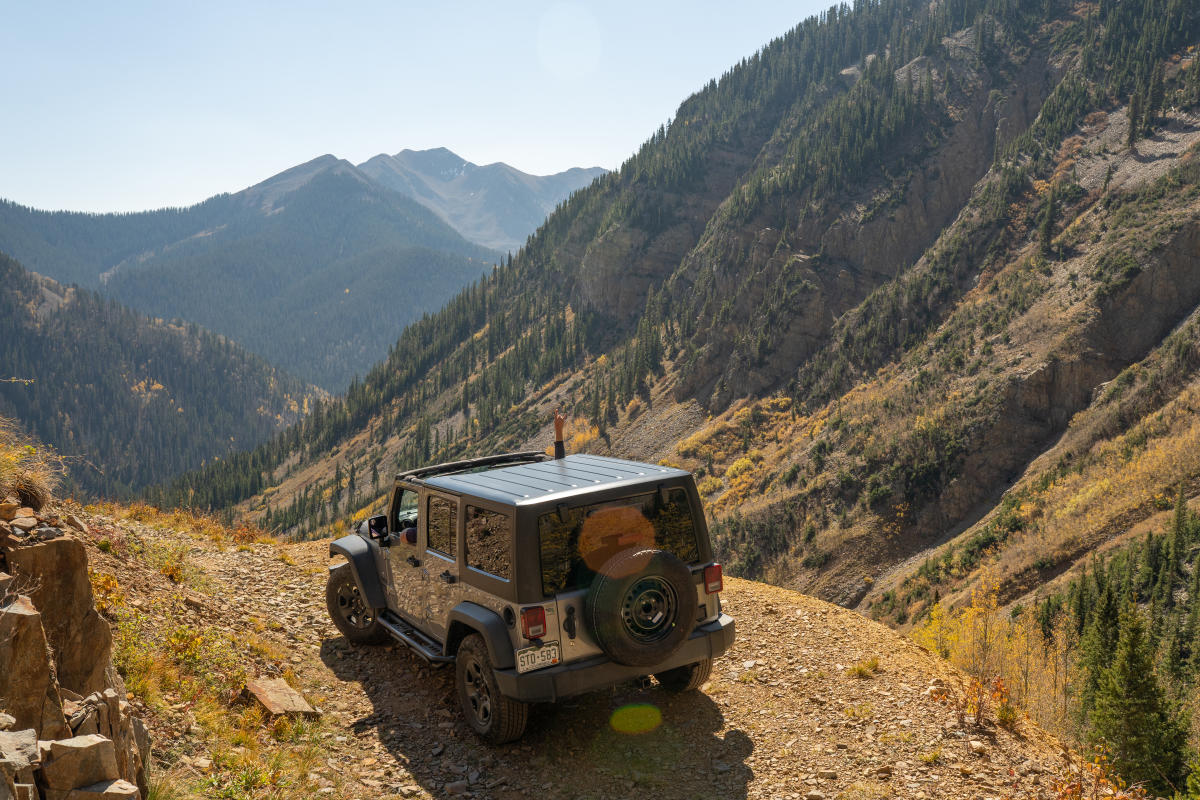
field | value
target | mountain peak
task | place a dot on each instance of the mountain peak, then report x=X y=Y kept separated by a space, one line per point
x=495 y=205
x=267 y=193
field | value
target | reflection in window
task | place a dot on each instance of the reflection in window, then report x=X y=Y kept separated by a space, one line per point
x=443 y=519
x=406 y=510
x=577 y=541
x=488 y=536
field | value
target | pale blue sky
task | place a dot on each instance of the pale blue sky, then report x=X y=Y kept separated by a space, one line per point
x=117 y=106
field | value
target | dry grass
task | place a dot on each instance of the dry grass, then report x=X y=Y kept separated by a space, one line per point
x=864 y=669
x=166 y=661
x=27 y=471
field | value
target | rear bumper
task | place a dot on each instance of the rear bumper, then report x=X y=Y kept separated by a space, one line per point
x=547 y=685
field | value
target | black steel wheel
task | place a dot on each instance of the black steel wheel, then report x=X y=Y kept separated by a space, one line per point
x=494 y=717
x=358 y=622
x=641 y=606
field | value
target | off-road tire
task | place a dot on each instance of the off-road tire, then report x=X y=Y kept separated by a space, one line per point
x=349 y=611
x=641 y=606
x=685 y=678
x=495 y=718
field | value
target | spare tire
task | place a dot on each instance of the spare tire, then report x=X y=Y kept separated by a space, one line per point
x=641 y=606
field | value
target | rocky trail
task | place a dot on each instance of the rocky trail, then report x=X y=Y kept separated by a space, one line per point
x=813 y=701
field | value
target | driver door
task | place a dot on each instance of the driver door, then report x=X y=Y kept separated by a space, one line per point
x=406 y=592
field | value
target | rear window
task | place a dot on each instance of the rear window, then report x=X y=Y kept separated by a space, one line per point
x=577 y=541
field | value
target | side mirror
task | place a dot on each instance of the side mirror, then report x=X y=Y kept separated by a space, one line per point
x=377 y=527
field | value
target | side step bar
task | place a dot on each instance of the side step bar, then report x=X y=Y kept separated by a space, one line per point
x=425 y=647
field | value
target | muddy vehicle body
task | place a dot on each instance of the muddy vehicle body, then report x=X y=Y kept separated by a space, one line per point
x=538 y=578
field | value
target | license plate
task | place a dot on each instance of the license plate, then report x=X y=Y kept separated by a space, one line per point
x=532 y=658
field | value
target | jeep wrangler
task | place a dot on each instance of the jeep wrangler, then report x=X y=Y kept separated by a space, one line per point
x=539 y=578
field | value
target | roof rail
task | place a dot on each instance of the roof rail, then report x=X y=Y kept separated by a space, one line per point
x=523 y=457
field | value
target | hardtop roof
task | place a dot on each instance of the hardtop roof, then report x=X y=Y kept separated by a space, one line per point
x=554 y=479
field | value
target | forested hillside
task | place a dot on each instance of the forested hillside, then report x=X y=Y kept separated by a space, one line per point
x=494 y=205
x=316 y=269
x=913 y=290
x=125 y=400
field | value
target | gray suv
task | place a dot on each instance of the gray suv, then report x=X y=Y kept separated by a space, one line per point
x=539 y=578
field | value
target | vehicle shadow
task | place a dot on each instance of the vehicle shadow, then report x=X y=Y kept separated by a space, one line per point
x=570 y=749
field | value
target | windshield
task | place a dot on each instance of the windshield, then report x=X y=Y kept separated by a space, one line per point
x=575 y=542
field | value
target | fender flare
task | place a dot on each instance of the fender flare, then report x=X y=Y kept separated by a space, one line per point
x=467 y=616
x=362 y=567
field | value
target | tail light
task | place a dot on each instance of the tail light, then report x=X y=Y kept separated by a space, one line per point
x=713 y=582
x=533 y=622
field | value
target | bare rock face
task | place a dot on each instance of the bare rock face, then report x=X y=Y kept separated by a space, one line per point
x=27 y=681
x=55 y=572
x=104 y=790
x=78 y=762
x=110 y=716
x=18 y=756
x=75 y=736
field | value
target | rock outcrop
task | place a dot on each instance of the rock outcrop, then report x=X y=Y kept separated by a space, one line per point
x=66 y=731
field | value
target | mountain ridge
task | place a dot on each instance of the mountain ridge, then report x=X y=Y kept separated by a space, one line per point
x=495 y=204
x=284 y=267
x=125 y=399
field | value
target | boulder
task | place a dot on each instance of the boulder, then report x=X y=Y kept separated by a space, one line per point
x=80 y=761
x=18 y=755
x=105 y=790
x=26 y=675
x=84 y=720
x=277 y=697
x=107 y=714
x=24 y=524
x=56 y=572
x=8 y=511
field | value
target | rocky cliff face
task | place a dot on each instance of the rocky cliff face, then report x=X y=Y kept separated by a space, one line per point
x=66 y=728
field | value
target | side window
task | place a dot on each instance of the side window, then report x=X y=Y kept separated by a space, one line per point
x=406 y=510
x=442 y=524
x=488 y=540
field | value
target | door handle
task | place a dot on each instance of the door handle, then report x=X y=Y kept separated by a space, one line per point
x=447 y=577
x=412 y=561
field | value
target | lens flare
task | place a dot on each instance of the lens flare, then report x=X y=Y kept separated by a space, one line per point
x=636 y=718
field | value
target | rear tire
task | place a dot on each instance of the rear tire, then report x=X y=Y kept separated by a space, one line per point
x=495 y=718
x=349 y=611
x=686 y=678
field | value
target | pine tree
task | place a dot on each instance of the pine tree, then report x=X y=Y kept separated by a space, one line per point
x=1194 y=75
x=1154 y=99
x=1046 y=230
x=1193 y=780
x=1135 y=118
x=1133 y=717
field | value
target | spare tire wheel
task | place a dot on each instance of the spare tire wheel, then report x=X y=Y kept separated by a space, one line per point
x=641 y=606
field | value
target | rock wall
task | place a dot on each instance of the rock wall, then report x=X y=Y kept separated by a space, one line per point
x=66 y=731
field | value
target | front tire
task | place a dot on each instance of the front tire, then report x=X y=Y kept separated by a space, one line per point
x=349 y=611
x=686 y=678
x=495 y=718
